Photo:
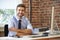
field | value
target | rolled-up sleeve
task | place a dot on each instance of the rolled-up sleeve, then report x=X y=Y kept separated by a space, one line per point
x=10 y=24
x=29 y=26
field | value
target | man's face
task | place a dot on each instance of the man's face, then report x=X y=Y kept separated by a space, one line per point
x=20 y=11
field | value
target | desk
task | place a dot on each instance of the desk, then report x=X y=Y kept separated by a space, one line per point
x=52 y=37
x=55 y=37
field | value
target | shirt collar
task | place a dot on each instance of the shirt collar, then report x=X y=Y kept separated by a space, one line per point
x=17 y=17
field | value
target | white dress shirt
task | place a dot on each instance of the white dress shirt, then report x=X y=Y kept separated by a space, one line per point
x=25 y=24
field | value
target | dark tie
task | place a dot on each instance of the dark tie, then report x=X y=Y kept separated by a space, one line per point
x=19 y=24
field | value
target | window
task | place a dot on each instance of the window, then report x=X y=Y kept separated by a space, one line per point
x=7 y=9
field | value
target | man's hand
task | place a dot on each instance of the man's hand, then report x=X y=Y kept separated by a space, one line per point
x=20 y=34
x=28 y=31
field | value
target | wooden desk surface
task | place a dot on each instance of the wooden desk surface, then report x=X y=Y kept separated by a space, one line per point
x=54 y=37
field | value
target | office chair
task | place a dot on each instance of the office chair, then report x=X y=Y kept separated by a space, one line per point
x=6 y=30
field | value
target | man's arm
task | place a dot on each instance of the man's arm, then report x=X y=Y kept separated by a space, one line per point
x=21 y=32
x=24 y=32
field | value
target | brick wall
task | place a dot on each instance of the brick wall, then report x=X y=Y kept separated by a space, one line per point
x=41 y=12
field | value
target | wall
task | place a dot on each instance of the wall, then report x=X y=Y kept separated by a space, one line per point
x=41 y=12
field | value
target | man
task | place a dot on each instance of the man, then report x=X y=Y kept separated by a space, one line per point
x=26 y=28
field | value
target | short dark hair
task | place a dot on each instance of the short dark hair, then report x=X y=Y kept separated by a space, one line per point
x=21 y=5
